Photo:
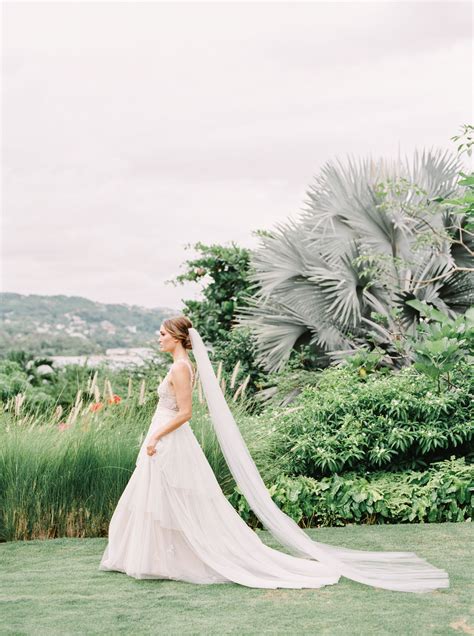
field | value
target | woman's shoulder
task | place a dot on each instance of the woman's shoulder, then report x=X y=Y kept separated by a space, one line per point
x=185 y=360
x=187 y=363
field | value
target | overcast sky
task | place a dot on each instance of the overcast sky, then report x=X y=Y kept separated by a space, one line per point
x=132 y=129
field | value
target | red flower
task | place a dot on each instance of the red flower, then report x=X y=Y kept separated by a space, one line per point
x=115 y=399
x=96 y=406
x=63 y=426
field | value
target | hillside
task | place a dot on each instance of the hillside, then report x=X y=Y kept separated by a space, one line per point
x=72 y=325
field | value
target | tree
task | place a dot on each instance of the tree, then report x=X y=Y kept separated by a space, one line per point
x=224 y=272
x=340 y=276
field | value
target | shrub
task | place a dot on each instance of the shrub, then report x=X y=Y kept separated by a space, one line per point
x=445 y=492
x=383 y=421
x=13 y=379
x=442 y=343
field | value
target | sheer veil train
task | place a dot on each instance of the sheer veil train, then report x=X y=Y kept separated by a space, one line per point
x=400 y=571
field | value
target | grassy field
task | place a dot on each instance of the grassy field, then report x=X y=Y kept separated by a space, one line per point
x=55 y=587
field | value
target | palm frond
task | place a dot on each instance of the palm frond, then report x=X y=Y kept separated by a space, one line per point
x=309 y=272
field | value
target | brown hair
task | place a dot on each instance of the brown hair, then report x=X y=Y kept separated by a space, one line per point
x=179 y=327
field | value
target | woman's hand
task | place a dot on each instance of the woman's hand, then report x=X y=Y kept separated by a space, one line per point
x=150 y=449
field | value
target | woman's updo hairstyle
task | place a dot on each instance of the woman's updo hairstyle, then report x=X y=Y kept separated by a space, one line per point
x=179 y=327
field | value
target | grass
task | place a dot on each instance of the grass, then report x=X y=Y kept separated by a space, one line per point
x=67 y=483
x=55 y=587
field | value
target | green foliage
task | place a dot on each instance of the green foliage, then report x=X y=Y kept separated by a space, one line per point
x=58 y=480
x=284 y=387
x=345 y=422
x=39 y=370
x=445 y=492
x=467 y=135
x=438 y=357
x=65 y=483
x=13 y=379
x=339 y=420
x=464 y=205
x=225 y=272
x=365 y=362
x=61 y=388
x=443 y=342
x=239 y=348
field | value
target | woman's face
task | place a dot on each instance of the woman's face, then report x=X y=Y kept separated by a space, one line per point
x=166 y=340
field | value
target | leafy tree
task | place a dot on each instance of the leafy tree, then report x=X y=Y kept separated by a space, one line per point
x=224 y=272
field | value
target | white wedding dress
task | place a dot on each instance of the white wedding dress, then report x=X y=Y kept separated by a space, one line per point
x=173 y=521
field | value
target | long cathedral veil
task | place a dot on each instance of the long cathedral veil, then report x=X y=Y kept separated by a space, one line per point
x=400 y=571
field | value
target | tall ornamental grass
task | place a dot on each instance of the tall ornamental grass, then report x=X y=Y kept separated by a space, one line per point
x=65 y=481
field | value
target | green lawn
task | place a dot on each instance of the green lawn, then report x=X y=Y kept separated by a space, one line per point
x=54 y=587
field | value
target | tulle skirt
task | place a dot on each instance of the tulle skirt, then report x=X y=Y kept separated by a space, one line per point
x=173 y=521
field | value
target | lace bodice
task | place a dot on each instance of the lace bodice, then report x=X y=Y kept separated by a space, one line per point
x=167 y=396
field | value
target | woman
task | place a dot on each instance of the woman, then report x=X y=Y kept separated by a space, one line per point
x=173 y=520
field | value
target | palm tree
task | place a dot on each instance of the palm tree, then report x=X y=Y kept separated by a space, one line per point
x=373 y=236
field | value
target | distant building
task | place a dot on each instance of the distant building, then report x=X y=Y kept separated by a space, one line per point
x=116 y=358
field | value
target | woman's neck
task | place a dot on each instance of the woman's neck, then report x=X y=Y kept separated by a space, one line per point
x=179 y=356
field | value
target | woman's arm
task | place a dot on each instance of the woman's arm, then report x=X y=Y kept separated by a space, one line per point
x=181 y=380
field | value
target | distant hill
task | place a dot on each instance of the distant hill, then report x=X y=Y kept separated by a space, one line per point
x=72 y=325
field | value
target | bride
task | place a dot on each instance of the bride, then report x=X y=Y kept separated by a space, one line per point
x=173 y=521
